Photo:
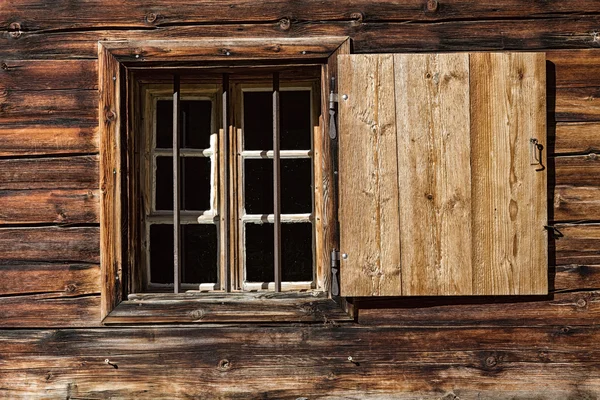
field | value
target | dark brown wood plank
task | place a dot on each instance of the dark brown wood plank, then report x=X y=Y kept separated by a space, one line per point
x=575 y=244
x=573 y=68
x=311 y=362
x=25 y=140
x=49 y=310
x=576 y=203
x=80 y=172
x=575 y=170
x=575 y=104
x=49 y=106
x=578 y=137
x=48 y=74
x=80 y=206
x=582 y=308
x=83 y=15
x=60 y=280
x=385 y=37
x=46 y=244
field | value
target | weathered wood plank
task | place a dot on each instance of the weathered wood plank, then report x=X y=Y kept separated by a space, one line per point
x=48 y=106
x=79 y=206
x=240 y=362
x=49 y=310
x=82 y=15
x=434 y=173
x=576 y=137
x=581 y=308
x=47 y=244
x=575 y=244
x=574 y=104
x=48 y=74
x=368 y=177
x=26 y=140
x=575 y=204
x=575 y=170
x=384 y=37
x=80 y=172
x=573 y=68
x=61 y=280
x=508 y=104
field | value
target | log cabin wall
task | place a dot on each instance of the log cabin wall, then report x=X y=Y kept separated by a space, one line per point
x=52 y=344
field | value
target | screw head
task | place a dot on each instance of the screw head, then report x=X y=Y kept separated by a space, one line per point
x=345 y=97
x=344 y=256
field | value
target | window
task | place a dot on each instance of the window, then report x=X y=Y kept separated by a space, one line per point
x=442 y=180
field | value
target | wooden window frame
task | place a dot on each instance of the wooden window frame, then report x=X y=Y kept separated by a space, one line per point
x=118 y=235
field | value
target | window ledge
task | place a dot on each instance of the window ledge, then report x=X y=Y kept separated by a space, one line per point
x=258 y=307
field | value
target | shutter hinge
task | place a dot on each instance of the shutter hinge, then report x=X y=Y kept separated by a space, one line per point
x=333 y=98
x=335 y=272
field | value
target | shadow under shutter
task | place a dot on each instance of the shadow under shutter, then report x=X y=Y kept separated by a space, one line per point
x=442 y=182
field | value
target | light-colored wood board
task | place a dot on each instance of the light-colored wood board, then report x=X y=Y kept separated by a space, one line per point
x=368 y=171
x=434 y=173
x=509 y=196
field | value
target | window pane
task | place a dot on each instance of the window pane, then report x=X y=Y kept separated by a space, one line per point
x=195 y=183
x=296 y=255
x=295 y=124
x=296 y=186
x=196 y=121
x=199 y=249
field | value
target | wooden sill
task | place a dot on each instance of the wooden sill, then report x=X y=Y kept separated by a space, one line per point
x=257 y=307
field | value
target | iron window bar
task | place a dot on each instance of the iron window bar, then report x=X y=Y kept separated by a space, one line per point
x=276 y=187
x=225 y=182
x=176 y=172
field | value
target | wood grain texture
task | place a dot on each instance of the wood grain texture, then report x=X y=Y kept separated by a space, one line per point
x=60 y=280
x=49 y=243
x=48 y=74
x=79 y=172
x=368 y=171
x=382 y=37
x=434 y=173
x=28 y=140
x=576 y=244
x=82 y=15
x=576 y=204
x=111 y=224
x=242 y=362
x=49 y=206
x=580 y=170
x=509 y=196
x=578 y=137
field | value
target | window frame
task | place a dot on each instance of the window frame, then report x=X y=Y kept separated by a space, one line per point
x=118 y=235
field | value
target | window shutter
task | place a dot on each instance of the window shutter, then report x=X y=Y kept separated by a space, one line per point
x=442 y=191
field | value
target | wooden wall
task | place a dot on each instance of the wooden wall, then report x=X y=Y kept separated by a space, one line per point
x=51 y=342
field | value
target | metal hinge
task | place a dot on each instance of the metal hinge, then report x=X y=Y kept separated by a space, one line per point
x=333 y=98
x=335 y=272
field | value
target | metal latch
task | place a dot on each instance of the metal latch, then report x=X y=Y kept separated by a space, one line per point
x=335 y=272
x=535 y=154
x=333 y=98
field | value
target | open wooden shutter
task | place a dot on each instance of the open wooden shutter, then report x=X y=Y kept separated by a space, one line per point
x=442 y=180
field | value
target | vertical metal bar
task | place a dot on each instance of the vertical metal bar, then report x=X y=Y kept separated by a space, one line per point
x=176 y=232
x=276 y=186
x=225 y=182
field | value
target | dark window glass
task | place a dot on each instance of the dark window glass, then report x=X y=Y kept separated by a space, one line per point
x=195 y=183
x=200 y=253
x=295 y=125
x=196 y=120
x=296 y=256
x=296 y=186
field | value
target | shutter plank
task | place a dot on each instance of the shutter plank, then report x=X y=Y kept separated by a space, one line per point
x=434 y=173
x=368 y=177
x=509 y=195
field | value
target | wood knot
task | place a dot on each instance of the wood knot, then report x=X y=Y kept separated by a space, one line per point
x=429 y=196
x=4 y=66
x=428 y=75
x=285 y=24
x=197 y=314
x=491 y=361
x=110 y=115
x=224 y=365
x=70 y=288
x=357 y=18
x=592 y=157
x=14 y=30
x=432 y=5
x=581 y=303
x=151 y=17
x=225 y=52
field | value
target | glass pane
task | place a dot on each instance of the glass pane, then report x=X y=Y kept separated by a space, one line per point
x=295 y=124
x=196 y=128
x=296 y=186
x=199 y=249
x=296 y=255
x=195 y=183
